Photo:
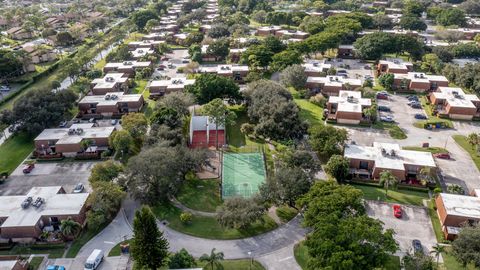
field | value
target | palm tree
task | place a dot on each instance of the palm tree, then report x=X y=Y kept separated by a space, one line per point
x=425 y=175
x=213 y=259
x=69 y=227
x=388 y=180
x=437 y=250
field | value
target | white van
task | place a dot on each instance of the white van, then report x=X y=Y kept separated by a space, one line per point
x=94 y=260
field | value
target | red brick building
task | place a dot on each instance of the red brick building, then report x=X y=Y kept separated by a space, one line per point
x=454 y=211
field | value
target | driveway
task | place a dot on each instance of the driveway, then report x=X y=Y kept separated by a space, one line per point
x=175 y=58
x=109 y=263
x=66 y=174
x=414 y=224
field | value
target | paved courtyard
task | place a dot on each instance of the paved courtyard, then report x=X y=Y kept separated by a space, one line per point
x=414 y=224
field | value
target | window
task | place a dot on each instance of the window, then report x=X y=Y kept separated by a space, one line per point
x=363 y=165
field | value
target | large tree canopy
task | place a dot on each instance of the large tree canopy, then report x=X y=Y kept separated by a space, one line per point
x=208 y=87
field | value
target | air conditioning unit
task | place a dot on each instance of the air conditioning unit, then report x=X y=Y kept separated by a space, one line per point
x=79 y=131
x=107 y=97
x=26 y=203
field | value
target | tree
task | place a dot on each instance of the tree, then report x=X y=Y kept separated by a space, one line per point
x=55 y=84
x=294 y=76
x=388 y=181
x=136 y=124
x=302 y=159
x=386 y=80
x=312 y=25
x=208 y=87
x=69 y=227
x=182 y=260
x=257 y=56
x=104 y=201
x=451 y=16
x=465 y=248
x=473 y=139
x=455 y=189
x=151 y=24
x=220 y=48
x=64 y=38
x=152 y=181
x=219 y=114
x=259 y=16
x=179 y=101
x=373 y=46
x=338 y=167
x=218 y=31
x=122 y=142
x=417 y=261
x=148 y=246
x=274 y=44
x=239 y=213
x=431 y=63
x=105 y=172
x=85 y=144
x=413 y=23
x=413 y=8
x=213 y=259
x=273 y=111
x=141 y=17
x=382 y=21
x=285 y=59
x=437 y=250
x=328 y=140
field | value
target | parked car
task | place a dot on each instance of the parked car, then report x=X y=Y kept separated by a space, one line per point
x=161 y=67
x=442 y=155
x=420 y=116
x=78 y=188
x=28 y=168
x=185 y=61
x=165 y=59
x=91 y=120
x=416 y=105
x=387 y=119
x=55 y=267
x=383 y=108
x=4 y=88
x=412 y=97
x=382 y=96
x=367 y=67
x=417 y=246
x=397 y=211
x=94 y=260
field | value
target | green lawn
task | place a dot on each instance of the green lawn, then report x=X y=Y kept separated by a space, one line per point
x=394 y=196
x=310 y=112
x=202 y=195
x=462 y=141
x=395 y=131
x=437 y=228
x=208 y=227
x=235 y=138
x=82 y=239
x=54 y=251
x=35 y=263
x=241 y=264
x=14 y=150
x=431 y=118
x=450 y=263
x=116 y=251
x=286 y=213
x=433 y=150
x=301 y=256
x=139 y=86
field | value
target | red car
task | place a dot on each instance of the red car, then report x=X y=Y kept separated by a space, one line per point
x=397 y=211
x=28 y=168
x=442 y=155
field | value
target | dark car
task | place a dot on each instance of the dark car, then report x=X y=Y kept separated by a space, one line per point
x=412 y=97
x=442 y=155
x=417 y=246
x=420 y=116
x=382 y=96
x=28 y=168
x=416 y=105
x=63 y=124
x=383 y=108
x=387 y=119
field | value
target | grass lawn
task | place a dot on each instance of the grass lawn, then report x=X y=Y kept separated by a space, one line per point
x=462 y=141
x=241 y=264
x=433 y=150
x=286 y=213
x=35 y=263
x=201 y=195
x=394 y=196
x=450 y=263
x=309 y=112
x=14 y=150
x=208 y=227
x=301 y=256
x=81 y=240
x=437 y=228
x=235 y=137
x=431 y=118
x=54 y=251
x=394 y=131
x=139 y=86
x=116 y=251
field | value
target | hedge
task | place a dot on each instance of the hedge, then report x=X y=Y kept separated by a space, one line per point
x=373 y=183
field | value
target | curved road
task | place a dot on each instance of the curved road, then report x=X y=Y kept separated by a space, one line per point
x=273 y=249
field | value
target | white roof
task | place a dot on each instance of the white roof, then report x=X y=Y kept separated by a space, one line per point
x=62 y=136
x=156 y=35
x=396 y=64
x=146 y=42
x=421 y=77
x=334 y=80
x=386 y=160
x=456 y=97
x=110 y=99
x=140 y=52
x=350 y=101
x=316 y=66
x=461 y=205
x=223 y=69
x=291 y=32
x=172 y=83
x=128 y=64
x=109 y=80
x=55 y=204
x=270 y=28
x=200 y=122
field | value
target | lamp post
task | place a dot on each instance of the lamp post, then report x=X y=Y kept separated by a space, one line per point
x=251 y=259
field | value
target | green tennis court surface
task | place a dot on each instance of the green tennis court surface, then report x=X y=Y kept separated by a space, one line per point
x=242 y=174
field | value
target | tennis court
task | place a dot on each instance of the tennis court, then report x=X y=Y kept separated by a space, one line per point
x=242 y=174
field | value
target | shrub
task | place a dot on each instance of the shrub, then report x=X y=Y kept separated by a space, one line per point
x=186 y=217
x=247 y=128
x=319 y=100
x=286 y=213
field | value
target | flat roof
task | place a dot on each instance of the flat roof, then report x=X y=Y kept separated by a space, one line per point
x=109 y=80
x=396 y=64
x=223 y=69
x=384 y=158
x=139 y=52
x=129 y=64
x=350 y=101
x=456 y=97
x=110 y=99
x=316 y=66
x=62 y=136
x=421 y=77
x=461 y=205
x=172 y=83
x=55 y=203
x=334 y=80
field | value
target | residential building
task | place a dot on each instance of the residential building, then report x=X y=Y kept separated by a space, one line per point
x=419 y=82
x=291 y=34
x=204 y=133
x=68 y=141
x=141 y=52
x=455 y=211
x=13 y=262
x=159 y=88
x=157 y=36
x=236 y=54
x=56 y=22
x=346 y=51
x=25 y=217
x=144 y=44
x=316 y=68
x=268 y=30
x=113 y=105
x=111 y=82
x=370 y=161
x=331 y=85
x=235 y=72
x=452 y=102
x=128 y=67
x=395 y=66
x=173 y=28
x=19 y=33
x=40 y=54
x=347 y=107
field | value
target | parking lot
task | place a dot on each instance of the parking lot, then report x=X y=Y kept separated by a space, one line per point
x=402 y=113
x=415 y=223
x=66 y=174
x=109 y=263
x=355 y=69
x=175 y=58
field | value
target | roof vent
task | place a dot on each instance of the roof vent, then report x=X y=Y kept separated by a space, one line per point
x=26 y=203
x=38 y=202
x=109 y=79
x=79 y=131
x=107 y=97
x=393 y=153
x=71 y=131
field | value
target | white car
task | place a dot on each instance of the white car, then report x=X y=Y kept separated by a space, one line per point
x=78 y=188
